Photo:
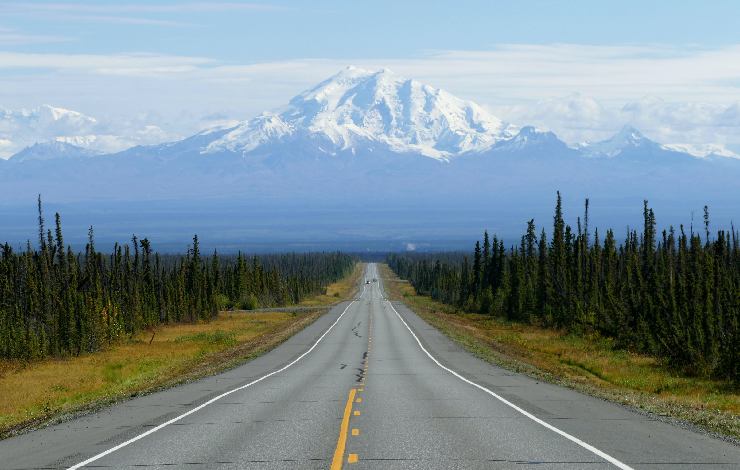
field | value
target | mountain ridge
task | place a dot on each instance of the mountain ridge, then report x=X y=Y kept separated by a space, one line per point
x=363 y=111
x=362 y=130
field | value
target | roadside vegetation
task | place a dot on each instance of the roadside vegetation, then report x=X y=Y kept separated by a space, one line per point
x=674 y=295
x=588 y=363
x=55 y=302
x=664 y=303
x=42 y=391
x=80 y=329
x=336 y=291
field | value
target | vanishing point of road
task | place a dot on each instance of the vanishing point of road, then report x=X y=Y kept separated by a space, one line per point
x=368 y=385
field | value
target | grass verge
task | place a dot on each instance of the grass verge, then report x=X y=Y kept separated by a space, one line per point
x=339 y=290
x=588 y=364
x=38 y=393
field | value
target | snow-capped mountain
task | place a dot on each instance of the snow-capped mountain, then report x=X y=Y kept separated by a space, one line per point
x=703 y=151
x=52 y=150
x=358 y=109
x=24 y=128
x=358 y=147
x=532 y=140
x=627 y=140
x=356 y=112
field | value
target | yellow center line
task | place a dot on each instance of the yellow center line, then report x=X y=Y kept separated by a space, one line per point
x=336 y=463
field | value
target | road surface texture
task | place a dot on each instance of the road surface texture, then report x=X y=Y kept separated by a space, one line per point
x=368 y=385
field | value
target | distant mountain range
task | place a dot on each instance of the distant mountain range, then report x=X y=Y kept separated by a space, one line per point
x=372 y=135
x=48 y=124
x=354 y=111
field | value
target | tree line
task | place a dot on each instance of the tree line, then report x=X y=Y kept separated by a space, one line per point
x=675 y=295
x=57 y=302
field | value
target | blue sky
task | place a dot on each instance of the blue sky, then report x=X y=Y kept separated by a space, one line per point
x=581 y=68
x=249 y=32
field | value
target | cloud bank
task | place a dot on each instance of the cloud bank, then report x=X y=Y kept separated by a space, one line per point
x=677 y=95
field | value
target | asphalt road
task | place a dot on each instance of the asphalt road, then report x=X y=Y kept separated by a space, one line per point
x=368 y=385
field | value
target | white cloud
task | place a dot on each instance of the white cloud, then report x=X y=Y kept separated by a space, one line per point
x=117 y=64
x=10 y=37
x=179 y=7
x=574 y=118
x=24 y=127
x=701 y=127
x=150 y=14
x=579 y=91
x=120 y=19
x=508 y=74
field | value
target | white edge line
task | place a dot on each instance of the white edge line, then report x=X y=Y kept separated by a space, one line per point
x=529 y=415
x=200 y=407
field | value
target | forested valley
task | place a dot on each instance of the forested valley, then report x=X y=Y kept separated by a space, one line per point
x=58 y=302
x=673 y=294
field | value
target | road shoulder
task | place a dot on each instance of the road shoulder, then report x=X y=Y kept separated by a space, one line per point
x=464 y=343
x=155 y=360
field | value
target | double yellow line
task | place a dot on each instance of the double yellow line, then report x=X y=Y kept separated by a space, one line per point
x=338 y=460
x=336 y=463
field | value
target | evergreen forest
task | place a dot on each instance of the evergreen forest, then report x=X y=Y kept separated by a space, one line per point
x=58 y=302
x=674 y=294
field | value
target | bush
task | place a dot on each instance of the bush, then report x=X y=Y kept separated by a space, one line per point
x=223 y=302
x=248 y=302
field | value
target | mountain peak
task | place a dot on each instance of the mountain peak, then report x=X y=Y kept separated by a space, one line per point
x=629 y=135
x=51 y=150
x=357 y=109
x=531 y=139
x=627 y=139
x=56 y=113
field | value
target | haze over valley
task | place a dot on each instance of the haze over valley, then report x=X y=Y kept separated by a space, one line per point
x=403 y=153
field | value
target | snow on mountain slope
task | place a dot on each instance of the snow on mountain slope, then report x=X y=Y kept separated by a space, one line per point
x=48 y=120
x=23 y=128
x=357 y=107
x=628 y=139
x=356 y=111
x=51 y=150
x=249 y=135
x=530 y=139
x=703 y=151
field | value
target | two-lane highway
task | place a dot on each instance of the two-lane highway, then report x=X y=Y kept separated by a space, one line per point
x=369 y=385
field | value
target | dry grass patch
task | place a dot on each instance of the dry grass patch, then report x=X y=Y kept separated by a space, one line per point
x=34 y=391
x=338 y=291
x=591 y=364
